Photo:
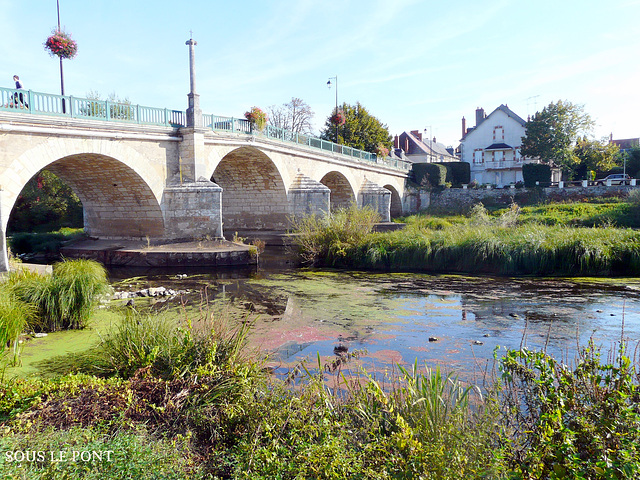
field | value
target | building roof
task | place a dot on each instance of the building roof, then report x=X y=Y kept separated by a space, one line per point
x=503 y=108
x=419 y=147
x=627 y=143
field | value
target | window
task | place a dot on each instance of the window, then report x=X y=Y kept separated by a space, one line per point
x=477 y=156
x=498 y=134
x=517 y=155
x=498 y=156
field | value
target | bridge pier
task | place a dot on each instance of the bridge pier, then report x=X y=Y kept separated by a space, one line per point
x=193 y=210
x=308 y=197
x=376 y=197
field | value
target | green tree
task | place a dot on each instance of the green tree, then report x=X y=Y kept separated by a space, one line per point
x=361 y=129
x=551 y=135
x=46 y=203
x=599 y=156
x=632 y=158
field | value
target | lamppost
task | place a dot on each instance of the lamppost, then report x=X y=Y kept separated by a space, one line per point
x=61 y=73
x=430 y=145
x=336 y=111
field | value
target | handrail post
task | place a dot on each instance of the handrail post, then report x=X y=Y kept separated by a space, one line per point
x=233 y=125
x=166 y=117
x=107 y=111
x=71 y=109
x=30 y=97
x=138 y=113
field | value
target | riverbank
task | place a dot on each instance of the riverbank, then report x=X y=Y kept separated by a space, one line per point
x=159 y=399
x=500 y=243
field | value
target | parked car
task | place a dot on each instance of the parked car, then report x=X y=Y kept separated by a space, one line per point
x=616 y=179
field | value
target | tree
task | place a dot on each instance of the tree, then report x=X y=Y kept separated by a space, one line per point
x=295 y=116
x=46 y=203
x=632 y=159
x=598 y=156
x=361 y=129
x=551 y=134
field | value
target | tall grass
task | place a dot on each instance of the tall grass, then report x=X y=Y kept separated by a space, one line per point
x=160 y=344
x=64 y=299
x=327 y=238
x=495 y=244
x=538 y=250
x=15 y=315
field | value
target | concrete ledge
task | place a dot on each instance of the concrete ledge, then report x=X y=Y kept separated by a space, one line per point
x=212 y=253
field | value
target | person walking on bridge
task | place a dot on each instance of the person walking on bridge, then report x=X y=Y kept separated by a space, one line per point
x=19 y=96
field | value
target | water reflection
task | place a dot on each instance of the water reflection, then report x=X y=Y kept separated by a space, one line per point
x=302 y=313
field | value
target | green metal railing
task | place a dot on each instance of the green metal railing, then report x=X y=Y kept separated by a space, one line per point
x=28 y=101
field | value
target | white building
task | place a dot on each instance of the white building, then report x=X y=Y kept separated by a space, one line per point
x=492 y=147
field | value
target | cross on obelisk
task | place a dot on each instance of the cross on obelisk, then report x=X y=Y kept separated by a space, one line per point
x=194 y=114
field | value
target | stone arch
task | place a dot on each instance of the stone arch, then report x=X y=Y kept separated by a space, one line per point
x=254 y=195
x=116 y=201
x=396 y=202
x=342 y=194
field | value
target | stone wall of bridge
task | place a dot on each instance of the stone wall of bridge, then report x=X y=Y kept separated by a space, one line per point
x=160 y=182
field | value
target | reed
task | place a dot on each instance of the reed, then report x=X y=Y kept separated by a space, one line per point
x=512 y=250
x=159 y=343
x=15 y=316
x=64 y=299
x=328 y=238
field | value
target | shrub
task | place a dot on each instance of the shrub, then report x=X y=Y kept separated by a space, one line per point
x=458 y=173
x=429 y=174
x=535 y=172
x=579 y=422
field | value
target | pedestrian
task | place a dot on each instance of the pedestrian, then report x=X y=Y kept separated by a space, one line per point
x=19 y=95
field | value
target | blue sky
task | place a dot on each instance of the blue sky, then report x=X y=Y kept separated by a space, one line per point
x=413 y=64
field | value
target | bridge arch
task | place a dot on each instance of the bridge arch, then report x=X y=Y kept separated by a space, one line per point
x=396 y=202
x=118 y=189
x=116 y=201
x=254 y=193
x=342 y=193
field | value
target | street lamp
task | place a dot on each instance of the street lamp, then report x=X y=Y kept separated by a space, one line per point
x=61 y=73
x=430 y=145
x=336 y=112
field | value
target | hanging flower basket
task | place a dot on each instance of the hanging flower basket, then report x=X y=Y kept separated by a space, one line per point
x=61 y=44
x=257 y=118
x=338 y=118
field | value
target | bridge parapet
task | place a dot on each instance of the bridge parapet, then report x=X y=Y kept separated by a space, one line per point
x=45 y=104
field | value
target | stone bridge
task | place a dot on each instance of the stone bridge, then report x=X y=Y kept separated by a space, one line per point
x=170 y=181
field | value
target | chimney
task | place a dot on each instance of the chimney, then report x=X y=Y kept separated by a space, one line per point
x=464 y=126
x=416 y=134
x=396 y=142
x=406 y=144
x=479 y=116
x=434 y=140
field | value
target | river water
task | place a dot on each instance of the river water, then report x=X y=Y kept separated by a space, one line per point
x=389 y=318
